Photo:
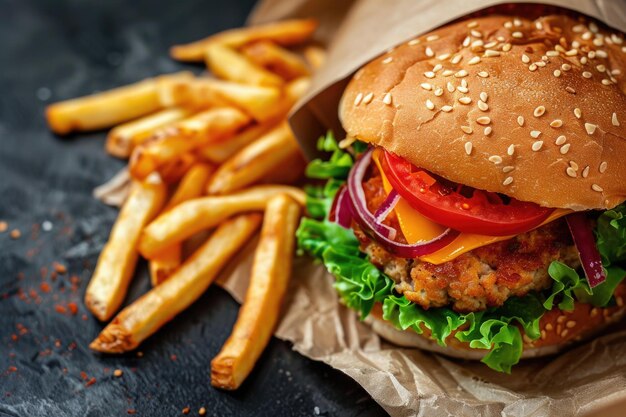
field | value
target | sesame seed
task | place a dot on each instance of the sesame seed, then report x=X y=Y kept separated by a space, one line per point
x=477 y=45
x=507 y=181
x=590 y=128
x=462 y=89
x=429 y=52
x=472 y=24
x=468 y=148
x=463 y=82
x=443 y=57
x=596 y=187
x=429 y=74
x=387 y=60
x=476 y=34
x=474 y=60
x=559 y=48
x=566 y=67
x=426 y=86
x=552 y=53
x=564 y=333
x=507 y=169
x=533 y=67
x=482 y=105
x=603 y=166
x=556 y=123
x=490 y=53
x=540 y=64
x=587 y=74
x=571 y=172
x=508 y=25
x=483 y=74
x=560 y=320
x=606 y=82
x=430 y=105
x=414 y=42
x=437 y=67
x=565 y=148
x=447 y=73
x=616 y=71
x=570 y=90
x=601 y=68
x=537 y=145
x=461 y=74
x=543 y=335
x=616 y=39
x=466 y=41
x=535 y=133
x=506 y=47
x=456 y=59
x=517 y=22
x=517 y=35
x=586 y=36
x=586 y=171
x=465 y=100
x=510 y=150
x=467 y=129
x=487 y=131
x=439 y=92
x=549 y=327
x=520 y=120
x=484 y=120
x=579 y=28
x=598 y=42
x=557 y=73
x=539 y=111
x=450 y=87
x=387 y=99
x=614 y=120
x=447 y=109
x=525 y=59
x=358 y=99
x=620 y=301
x=560 y=140
x=368 y=98
x=571 y=52
x=432 y=38
x=591 y=54
x=573 y=165
x=578 y=113
x=583 y=60
x=484 y=96
x=495 y=159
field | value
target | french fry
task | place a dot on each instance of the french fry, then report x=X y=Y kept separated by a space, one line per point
x=102 y=110
x=220 y=152
x=123 y=138
x=174 y=170
x=187 y=135
x=315 y=56
x=230 y=65
x=286 y=33
x=268 y=284
x=191 y=186
x=199 y=214
x=276 y=59
x=162 y=303
x=257 y=101
x=118 y=259
x=268 y=153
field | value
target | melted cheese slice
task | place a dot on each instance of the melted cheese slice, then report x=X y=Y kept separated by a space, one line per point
x=417 y=228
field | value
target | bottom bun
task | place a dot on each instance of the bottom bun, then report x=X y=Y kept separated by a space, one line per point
x=559 y=329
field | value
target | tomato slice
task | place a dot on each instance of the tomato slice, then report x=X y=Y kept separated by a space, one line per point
x=460 y=207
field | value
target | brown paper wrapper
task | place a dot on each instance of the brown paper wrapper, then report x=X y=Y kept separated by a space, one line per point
x=410 y=382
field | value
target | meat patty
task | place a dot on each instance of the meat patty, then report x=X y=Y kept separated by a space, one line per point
x=484 y=277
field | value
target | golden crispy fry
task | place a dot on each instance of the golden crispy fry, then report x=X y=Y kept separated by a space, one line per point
x=256 y=160
x=192 y=185
x=276 y=59
x=220 y=152
x=110 y=108
x=162 y=303
x=287 y=32
x=199 y=214
x=123 y=138
x=315 y=56
x=230 y=65
x=116 y=264
x=257 y=101
x=260 y=310
x=173 y=171
x=185 y=136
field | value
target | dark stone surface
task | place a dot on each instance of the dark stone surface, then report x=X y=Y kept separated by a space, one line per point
x=52 y=50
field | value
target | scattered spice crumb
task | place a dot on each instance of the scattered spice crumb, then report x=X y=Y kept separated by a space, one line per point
x=12 y=369
x=202 y=411
x=60 y=309
x=59 y=268
x=186 y=410
x=118 y=373
x=44 y=287
x=83 y=375
x=131 y=411
x=140 y=354
x=15 y=234
x=91 y=381
x=173 y=357
x=84 y=317
x=3 y=226
x=72 y=307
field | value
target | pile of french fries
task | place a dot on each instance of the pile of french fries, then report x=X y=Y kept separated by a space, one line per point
x=207 y=153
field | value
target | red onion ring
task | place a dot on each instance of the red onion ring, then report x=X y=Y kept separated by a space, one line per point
x=342 y=209
x=388 y=205
x=585 y=241
x=382 y=233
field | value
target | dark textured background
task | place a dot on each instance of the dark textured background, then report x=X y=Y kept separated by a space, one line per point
x=57 y=49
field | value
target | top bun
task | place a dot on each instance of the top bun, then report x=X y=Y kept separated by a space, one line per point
x=534 y=109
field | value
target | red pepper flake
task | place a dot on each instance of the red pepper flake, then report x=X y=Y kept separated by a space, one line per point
x=14 y=337
x=173 y=357
x=3 y=226
x=83 y=375
x=12 y=369
x=44 y=287
x=186 y=410
x=33 y=294
x=131 y=411
x=60 y=309
x=57 y=343
x=91 y=382
x=118 y=373
x=73 y=308
x=71 y=346
x=60 y=268
x=84 y=317
x=15 y=234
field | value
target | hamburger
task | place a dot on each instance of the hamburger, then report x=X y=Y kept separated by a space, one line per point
x=476 y=205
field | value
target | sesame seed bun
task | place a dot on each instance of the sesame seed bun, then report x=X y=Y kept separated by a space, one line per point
x=559 y=329
x=534 y=109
